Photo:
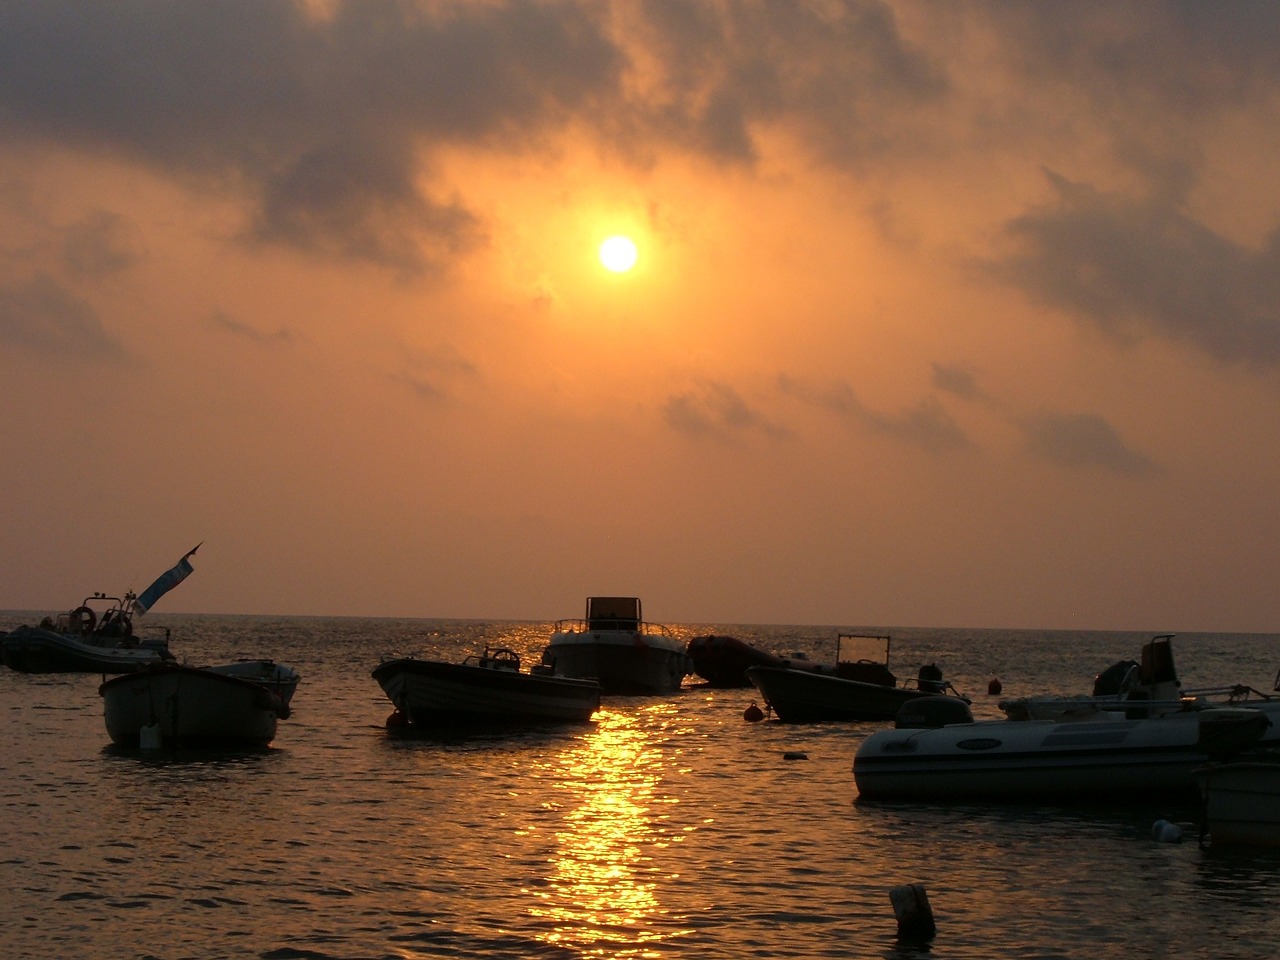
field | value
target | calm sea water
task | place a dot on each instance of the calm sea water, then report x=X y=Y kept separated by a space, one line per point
x=669 y=828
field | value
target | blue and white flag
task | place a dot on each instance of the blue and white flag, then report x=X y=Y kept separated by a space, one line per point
x=165 y=582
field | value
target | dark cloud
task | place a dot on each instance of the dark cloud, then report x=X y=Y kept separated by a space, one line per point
x=716 y=411
x=958 y=381
x=1083 y=440
x=433 y=375
x=840 y=74
x=279 y=337
x=102 y=243
x=317 y=118
x=926 y=425
x=1136 y=267
x=43 y=316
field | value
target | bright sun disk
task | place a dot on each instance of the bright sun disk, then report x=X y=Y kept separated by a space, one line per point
x=618 y=254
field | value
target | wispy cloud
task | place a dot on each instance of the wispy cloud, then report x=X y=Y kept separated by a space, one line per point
x=926 y=425
x=718 y=412
x=1083 y=440
x=43 y=316
x=1142 y=267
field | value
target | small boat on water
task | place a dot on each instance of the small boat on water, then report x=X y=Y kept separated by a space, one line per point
x=614 y=646
x=1241 y=801
x=96 y=637
x=178 y=705
x=88 y=639
x=1141 y=743
x=723 y=661
x=490 y=688
x=858 y=686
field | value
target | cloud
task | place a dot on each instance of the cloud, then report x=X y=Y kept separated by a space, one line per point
x=317 y=120
x=1138 y=267
x=926 y=425
x=1083 y=440
x=718 y=412
x=281 y=336
x=101 y=244
x=432 y=375
x=43 y=316
x=957 y=381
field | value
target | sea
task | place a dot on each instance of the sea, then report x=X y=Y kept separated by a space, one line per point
x=669 y=827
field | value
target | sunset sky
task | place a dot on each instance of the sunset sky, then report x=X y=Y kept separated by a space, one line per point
x=953 y=314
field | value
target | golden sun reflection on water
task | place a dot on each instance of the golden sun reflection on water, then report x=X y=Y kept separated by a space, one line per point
x=601 y=893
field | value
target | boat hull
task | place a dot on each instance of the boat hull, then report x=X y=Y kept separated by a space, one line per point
x=36 y=650
x=1022 y=760
x=190 y=707
x=428 y=693
x=624 y=662
x=808 y=696
x=1242 y=802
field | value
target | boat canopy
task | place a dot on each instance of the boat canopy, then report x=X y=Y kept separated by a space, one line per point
x=613 y=613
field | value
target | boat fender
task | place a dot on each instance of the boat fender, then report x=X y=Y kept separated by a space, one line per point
x=149 y=737
x=86 y=618
x=915 y=917
x=1163 y=831
x=753 y=714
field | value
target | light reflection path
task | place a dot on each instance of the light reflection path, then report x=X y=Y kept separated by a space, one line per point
x=601 y=896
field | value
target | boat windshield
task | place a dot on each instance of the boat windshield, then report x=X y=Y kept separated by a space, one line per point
x=852 y=647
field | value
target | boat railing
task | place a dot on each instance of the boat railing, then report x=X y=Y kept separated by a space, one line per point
x=937 y=687
x=582 y=625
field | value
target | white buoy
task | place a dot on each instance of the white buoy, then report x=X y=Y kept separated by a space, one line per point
x=1162 y=831
x=149 y=737
x=911 y=907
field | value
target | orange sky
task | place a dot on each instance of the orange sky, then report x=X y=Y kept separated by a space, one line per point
x=956 y=315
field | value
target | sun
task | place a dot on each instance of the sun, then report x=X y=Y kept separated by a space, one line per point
x=618 y=254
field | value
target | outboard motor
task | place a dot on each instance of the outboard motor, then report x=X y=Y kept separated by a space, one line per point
x=926 y=713
x=929 y=679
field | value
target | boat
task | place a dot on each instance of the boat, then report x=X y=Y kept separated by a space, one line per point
x=276 y=677
x=490 y=688
x=1241 y=801
x=95 y=637
x=98 y=636
x=723 y=661
x=1140 y=743
x=178 y=705
x=853 y=688
x=614 y=646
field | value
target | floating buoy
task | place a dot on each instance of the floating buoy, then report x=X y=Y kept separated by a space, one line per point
x=397 y=721
x=795 y=755
x=911 y=907
x=1162 y=831
x=994 y=686
x=753 y=714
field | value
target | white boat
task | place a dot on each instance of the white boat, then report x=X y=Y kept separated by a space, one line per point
x=1241 y=802
x=487 y=689
x=614 y=646
x=1118 y=747
x=276 y=677
x=858 y=686
x=190 y=706
x=96 y=637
